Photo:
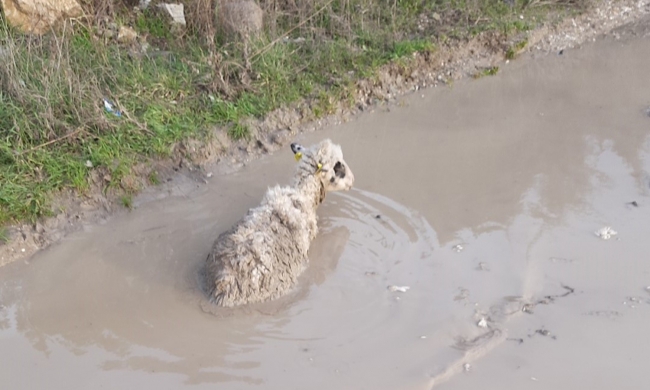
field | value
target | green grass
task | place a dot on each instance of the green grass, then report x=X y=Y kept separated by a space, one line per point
x=127 y=201
x=4 y=235
x=153 y=178
x=55 y=133
x=513 y=50
x=490 y=71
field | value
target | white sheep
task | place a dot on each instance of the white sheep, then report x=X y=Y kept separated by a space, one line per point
x=262 y=255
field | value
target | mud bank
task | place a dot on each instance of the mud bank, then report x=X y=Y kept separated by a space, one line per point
x=482 y=198
x=197 y=161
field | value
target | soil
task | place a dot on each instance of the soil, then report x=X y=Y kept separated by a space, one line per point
x=486 y=208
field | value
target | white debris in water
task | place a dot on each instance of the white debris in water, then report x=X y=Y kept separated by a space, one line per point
x=482 y=266
x=532 y=378
x=482 y=323
x=458 y=248
x=398 y=288
x=209 y=174
x=467 y=366
x=605 y=233
x=423 y=337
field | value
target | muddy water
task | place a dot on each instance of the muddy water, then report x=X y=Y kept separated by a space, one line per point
x=518 y=169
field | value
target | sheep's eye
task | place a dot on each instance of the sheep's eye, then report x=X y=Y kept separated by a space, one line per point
x=339 y=170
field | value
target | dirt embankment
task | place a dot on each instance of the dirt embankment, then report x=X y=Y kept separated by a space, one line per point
x=197 y=162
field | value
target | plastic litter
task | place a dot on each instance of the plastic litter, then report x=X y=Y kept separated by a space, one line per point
x=606 y=233
x=398 y=288
x=108 y=106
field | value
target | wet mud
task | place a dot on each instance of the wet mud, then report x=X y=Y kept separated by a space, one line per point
x=482 y=198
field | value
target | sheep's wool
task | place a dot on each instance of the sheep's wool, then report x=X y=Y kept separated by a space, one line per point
x=262 y=255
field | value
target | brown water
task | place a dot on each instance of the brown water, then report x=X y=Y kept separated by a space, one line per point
x=520 y=169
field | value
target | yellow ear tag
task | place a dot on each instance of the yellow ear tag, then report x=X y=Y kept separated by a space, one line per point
x=298 y=156
x=320 y=166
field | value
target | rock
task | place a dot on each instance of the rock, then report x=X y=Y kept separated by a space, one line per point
x=243 y=17
x=175 y=11
x=126 y=35
x=38 y=16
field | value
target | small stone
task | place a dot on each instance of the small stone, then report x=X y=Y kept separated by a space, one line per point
x=22 y=250
x=240 y=17
x=467 y=367
x=175 y=11
x=527 y=308
x=209 y=174
x=39 y=16
x=89 y=164
x=482 y=323
x=457 y=248
x=126 y=35
x=482 y=266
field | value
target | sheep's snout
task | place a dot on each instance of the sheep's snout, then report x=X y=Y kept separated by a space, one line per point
x=350 y=181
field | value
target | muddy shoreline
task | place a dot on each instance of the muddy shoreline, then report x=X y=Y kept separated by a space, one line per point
x=194 y=163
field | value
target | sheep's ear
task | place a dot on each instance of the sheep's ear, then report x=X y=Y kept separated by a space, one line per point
x=297 y=150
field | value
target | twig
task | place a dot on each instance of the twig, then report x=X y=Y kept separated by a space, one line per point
x=77 y=131
x=278 y=39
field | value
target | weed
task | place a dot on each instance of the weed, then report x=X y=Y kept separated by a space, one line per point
x=490 y=71
x=515 y=49
x=407 y=48
x=239 y=131
x=4 y=235
x=153 y=178
x=127 y=201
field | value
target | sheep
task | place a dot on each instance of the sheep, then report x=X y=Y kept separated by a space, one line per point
x=262 y=255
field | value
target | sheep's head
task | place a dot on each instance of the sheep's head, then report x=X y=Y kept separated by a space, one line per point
x=325 y=160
